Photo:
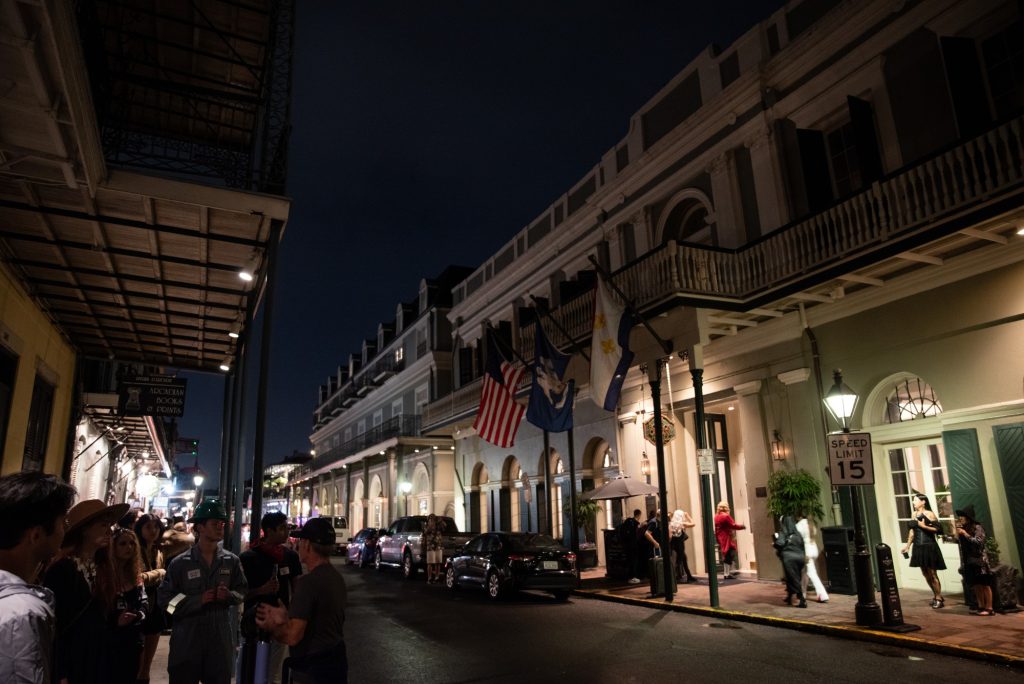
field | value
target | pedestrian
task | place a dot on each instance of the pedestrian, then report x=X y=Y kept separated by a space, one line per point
x=629 y=532
x=32 y=511
x=789 y=546
x=122 y=596
x=198 y=589
x=976 y=569
x=175 y=540
x=83 y=638
x=811 y=552
x=725 y=534
x=270 y=569
x=926 y=553
x=432 y=543
x=149 y=531
x=313 y=625
x=677 y=542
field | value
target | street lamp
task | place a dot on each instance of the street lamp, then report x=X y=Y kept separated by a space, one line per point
x=841 y=401
x=405 y=487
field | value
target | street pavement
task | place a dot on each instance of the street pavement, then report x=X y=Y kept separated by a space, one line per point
x=951 y=630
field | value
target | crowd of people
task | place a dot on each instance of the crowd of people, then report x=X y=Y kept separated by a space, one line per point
x=87 y=590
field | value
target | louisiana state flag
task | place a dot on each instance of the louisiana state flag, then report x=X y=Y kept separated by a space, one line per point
x=551 y=397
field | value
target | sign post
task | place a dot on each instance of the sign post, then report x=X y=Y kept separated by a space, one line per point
x=892 y=608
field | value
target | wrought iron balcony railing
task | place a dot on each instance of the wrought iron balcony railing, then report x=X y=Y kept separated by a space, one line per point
x=404 y=425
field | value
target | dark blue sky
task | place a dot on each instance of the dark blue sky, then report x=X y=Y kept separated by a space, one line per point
x=429 y=133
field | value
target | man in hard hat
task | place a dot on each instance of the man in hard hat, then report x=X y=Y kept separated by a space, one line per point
x=198 y=589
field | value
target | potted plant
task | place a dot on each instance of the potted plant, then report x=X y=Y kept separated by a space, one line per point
x=586 y=512
x=794 y=492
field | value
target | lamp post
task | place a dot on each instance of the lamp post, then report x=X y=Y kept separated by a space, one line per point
x=405 y=486
x=841 y=401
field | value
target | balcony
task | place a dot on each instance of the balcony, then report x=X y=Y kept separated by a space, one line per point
x=930 y=206
x=404 y=425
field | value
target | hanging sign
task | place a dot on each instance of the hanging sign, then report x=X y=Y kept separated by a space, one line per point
x=152 y=395
x=668 y=430
x=706 y=461
x=849 y=458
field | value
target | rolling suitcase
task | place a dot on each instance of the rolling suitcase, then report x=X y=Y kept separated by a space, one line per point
x=659 y=574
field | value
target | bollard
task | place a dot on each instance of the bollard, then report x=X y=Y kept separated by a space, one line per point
x=892 y=609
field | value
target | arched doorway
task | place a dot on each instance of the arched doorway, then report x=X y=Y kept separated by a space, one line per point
x=514 y=510
x=421 y=492
x=377 y=504
x=478 y=500
x=910 y=459
x=357 y=509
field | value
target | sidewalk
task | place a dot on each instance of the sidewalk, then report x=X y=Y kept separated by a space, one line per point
x=950 y=630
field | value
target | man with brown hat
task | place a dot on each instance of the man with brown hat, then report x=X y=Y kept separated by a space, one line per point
x=199 y=587
x=32 y=510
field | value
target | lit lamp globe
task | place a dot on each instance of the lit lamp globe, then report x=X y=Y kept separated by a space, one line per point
x=841 y=401
x=198 y=479
x=406 y=487
x=148 y=486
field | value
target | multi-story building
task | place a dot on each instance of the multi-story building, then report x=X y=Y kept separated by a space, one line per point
x=371 y=461
x=839 y=188
x=142 y=161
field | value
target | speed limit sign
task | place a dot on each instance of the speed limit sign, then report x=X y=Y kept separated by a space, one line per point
x=849 y=458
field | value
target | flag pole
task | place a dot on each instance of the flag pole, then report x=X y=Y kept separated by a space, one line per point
x=665 y=344
x=542 y=310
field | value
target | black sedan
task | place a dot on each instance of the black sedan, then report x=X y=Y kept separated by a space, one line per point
x=504 y=562
x=363 y=546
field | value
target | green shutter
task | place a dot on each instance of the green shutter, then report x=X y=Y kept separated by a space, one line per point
x=966 y=478
x=1010 y=451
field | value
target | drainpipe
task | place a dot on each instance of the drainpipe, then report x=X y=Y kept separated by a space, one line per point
x=837 y=513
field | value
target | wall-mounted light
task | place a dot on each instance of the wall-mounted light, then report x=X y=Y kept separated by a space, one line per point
x=645 y=465
x=778 y=447
x=233 y=335
x=225 y=367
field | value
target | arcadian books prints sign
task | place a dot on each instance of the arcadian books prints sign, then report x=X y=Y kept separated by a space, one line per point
x=152 y=395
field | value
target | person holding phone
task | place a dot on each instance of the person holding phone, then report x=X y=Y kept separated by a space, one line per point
x=926 y=553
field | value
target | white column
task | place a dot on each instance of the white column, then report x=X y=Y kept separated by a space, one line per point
x=769 y=184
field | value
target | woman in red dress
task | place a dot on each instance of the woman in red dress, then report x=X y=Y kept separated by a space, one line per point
x=725 y=533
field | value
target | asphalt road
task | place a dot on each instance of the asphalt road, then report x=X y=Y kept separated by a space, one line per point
x=400 y=631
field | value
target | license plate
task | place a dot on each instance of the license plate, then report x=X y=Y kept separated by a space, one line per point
x=550 y=565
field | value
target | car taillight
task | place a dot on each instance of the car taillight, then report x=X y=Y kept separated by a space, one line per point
x=519 y=557
x=571 y=557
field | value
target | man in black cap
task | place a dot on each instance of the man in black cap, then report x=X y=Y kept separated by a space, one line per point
x=199 y=587
x=312 y=626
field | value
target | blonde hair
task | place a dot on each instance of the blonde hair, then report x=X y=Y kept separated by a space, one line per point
x=722 y=506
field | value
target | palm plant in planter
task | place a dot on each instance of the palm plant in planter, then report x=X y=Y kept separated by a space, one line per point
x=794 y=492
x=586 y=512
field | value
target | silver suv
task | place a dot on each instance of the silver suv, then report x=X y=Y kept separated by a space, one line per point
x=401 y=544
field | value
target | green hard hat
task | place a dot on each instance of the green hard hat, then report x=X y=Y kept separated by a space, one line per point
x=209 y=509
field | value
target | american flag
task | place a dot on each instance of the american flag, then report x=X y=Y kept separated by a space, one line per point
x=499 y=415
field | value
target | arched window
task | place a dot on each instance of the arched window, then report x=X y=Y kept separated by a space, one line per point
x=909 y=399
x=688 y=218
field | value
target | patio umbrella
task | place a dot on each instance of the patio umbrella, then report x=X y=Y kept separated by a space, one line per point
x=619 y=488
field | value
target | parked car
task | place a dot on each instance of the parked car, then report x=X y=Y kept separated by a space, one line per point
x=341 y=532
x=401 y=544
x=363 y=547
x=505 y=562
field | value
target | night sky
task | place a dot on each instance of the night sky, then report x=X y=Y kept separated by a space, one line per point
x=429 y=133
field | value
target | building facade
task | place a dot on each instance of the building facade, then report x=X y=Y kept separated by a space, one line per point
x=839 y=188
x=371 y=461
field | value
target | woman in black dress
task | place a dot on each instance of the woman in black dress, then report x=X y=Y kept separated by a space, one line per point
x=123 y=598
x=83 y=639
x=926 y=553
x=149 y=530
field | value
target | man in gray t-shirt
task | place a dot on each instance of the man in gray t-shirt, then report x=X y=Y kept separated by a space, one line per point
x=312 y=626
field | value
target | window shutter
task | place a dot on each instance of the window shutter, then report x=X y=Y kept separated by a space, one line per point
x=1010 y=448
x=966 y=85
x=865 y=139
x=966 y=478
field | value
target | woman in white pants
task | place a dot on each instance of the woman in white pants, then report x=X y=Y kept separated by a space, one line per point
x=811 y=554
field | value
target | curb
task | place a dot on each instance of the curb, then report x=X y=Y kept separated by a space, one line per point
x=839 y=631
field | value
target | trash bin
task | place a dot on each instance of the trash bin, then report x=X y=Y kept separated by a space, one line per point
x=839 y=548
